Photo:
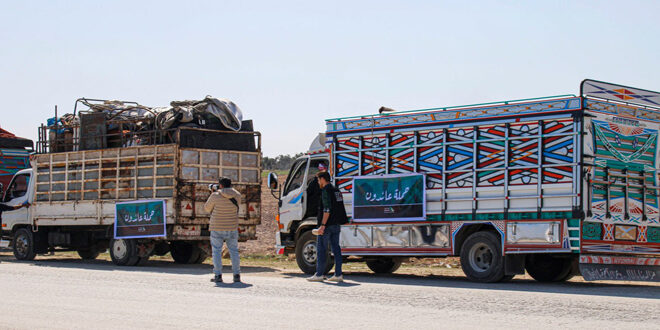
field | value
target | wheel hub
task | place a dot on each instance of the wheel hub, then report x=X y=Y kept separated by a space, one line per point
x=309 y=253
x=22 y=245
x=481 y=257
x=119 y=249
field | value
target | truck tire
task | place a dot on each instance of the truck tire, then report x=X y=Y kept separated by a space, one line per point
x=202 y=256
x=88 y=253
x=481 y=257
x=161 y=248
x=548 y=268
x=384 y=265
x=124 y=252
x=306 y=254
x=184 y=252
x=24 y=244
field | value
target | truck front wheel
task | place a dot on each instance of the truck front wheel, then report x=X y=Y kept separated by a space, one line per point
x=24 y=244
x=481 y=258
x=124 y=252
x=548 y=268
x=306 y=254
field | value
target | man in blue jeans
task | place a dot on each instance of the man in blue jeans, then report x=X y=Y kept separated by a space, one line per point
x=334 y=215
x=223 y=224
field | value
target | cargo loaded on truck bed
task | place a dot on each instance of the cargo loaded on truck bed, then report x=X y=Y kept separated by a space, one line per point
x=555 y=186
x=110 y=176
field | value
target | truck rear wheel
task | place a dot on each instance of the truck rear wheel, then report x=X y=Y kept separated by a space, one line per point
x=184 y=252
x=202 y=256
x=548 y=268
x=384 y=265
x=124 y=252
x=24 y=244
x=481 y=257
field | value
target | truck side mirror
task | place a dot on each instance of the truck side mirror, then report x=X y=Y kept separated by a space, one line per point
x=272 y=181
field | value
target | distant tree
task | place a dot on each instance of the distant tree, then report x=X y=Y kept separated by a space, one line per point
x=281 y=162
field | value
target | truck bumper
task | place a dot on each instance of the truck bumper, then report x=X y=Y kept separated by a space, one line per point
x=279 y=248
x=619 y=268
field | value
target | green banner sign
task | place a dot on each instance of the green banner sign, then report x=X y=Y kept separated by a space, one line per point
x=137 y=219
x=399 y=197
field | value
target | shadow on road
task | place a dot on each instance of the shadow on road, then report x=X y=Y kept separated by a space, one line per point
x=152 y=266
x=523 y=285
x=239 y=285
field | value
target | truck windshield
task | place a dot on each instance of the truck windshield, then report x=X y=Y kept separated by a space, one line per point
x=297 y=175
x=18 y=187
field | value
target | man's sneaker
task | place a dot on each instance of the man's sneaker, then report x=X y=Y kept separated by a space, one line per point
x=339 y=278
x=217 y=279
x=237 y=278
x=315 y=278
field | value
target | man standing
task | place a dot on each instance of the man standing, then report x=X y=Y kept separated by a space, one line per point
x=334 y=215
x=223 y=225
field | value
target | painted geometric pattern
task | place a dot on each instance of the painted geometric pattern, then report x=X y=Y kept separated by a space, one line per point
x=373 y=154
x=430 y=156
x=523 y=153
x=621 y=109
x=440 y=115
x=402 y=155
x=558 y=150
x=460 y=155
x=347 y=161
x=491 y=155
x=395 y=153
x=609 y=232
x=625 y=143
x=625 y=152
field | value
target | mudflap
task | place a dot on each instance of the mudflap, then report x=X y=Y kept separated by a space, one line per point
x=596 y=268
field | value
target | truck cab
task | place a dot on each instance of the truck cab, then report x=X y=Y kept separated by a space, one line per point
x=19 y=191
x=297 y=211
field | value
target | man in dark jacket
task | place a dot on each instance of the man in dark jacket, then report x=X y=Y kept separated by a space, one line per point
x=334 y=215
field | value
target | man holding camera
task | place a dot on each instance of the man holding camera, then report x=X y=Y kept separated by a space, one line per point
x=223 y=225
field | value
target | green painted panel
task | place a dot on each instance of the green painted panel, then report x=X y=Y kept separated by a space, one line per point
x=653 y=234
x=591 y=230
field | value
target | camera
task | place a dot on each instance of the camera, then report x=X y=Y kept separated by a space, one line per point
x=213 y=187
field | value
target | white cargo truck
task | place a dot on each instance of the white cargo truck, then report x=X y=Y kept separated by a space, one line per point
x=75 y=194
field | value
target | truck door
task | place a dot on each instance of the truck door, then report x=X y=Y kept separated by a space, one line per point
x=17 y=193
x=293 y=204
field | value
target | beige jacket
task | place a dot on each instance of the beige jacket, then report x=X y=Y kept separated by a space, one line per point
x=224 y=214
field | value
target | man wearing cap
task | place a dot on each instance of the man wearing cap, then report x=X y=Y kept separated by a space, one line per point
x=223 y=225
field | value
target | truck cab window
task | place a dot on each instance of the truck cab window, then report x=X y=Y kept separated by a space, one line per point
x=297 y=176
x=18 y=187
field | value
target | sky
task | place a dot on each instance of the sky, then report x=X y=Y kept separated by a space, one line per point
x=289 y=65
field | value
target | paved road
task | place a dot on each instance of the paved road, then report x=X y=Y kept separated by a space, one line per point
x=77 y=294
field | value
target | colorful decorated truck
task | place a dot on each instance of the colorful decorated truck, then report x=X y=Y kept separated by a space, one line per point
x=14 y=156
x=556 y=186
